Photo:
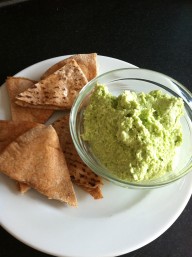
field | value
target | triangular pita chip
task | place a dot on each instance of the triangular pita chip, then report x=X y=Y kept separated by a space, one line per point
x=87 y=62
x=57 y=91
x=35 y=158
x=80 y=174
x=16 y=85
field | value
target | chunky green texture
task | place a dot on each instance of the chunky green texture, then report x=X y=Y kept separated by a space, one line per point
x=134 y=135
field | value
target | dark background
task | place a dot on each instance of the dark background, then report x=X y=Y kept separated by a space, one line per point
x=155 y=35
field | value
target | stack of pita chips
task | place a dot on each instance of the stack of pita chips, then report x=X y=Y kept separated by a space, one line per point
x=57 y=91
x=15 y=86
x=87 y=63
x=44 y=157
x=35 y=158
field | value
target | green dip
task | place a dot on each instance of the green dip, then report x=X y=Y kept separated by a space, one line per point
x=135 y=136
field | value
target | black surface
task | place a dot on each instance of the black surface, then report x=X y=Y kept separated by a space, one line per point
x=155 y=35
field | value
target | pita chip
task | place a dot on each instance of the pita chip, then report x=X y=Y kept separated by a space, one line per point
x=80 y=174
x=9 y=131
x=16 y=85
x=87 y=62
x=36 y=159
x=57 y=91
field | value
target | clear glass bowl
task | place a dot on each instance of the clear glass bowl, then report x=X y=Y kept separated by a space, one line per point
x=138 y=80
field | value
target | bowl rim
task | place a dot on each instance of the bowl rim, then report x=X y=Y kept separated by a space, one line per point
x=85 y=157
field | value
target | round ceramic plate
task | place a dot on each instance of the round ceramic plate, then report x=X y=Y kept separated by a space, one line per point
x=123 y=221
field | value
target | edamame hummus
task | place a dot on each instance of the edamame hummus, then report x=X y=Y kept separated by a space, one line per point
x=134 y=135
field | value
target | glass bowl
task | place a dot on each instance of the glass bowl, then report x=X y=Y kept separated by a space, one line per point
x=137 y=80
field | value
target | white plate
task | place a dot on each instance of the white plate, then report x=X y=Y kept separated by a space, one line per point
x=123 y=221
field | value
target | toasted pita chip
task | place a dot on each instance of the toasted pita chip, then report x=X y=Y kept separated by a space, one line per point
x=95 y=192
x=9 y=131
x=87 y=62
x=57 y=91
x=35 y=158
x=80 y=174
x=16 y=85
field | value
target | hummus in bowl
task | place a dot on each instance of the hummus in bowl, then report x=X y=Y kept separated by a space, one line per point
x=133 y=127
